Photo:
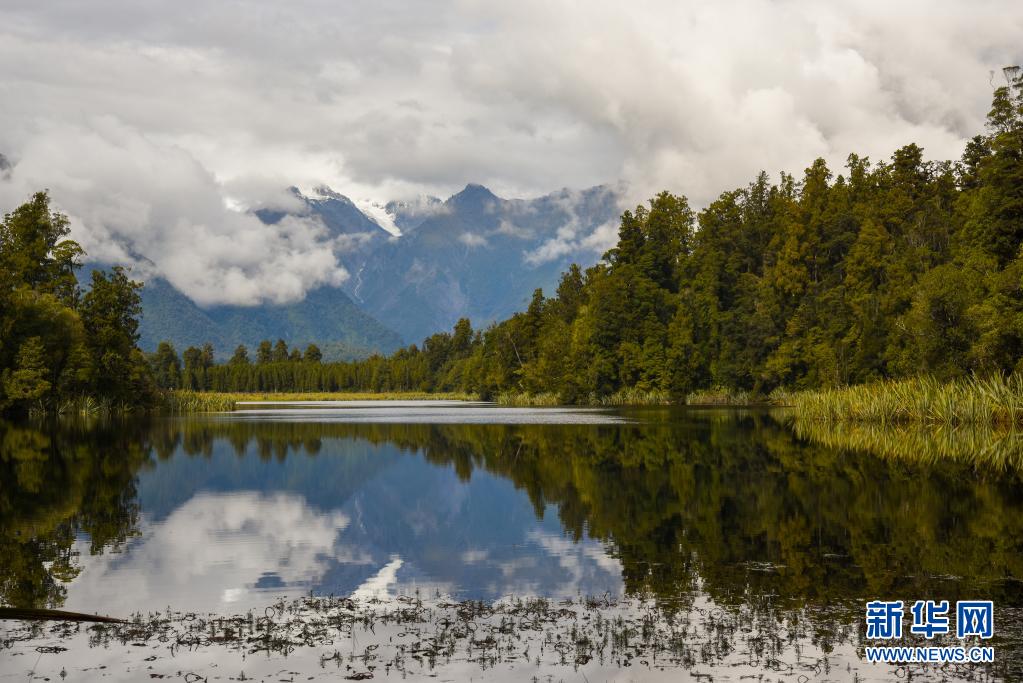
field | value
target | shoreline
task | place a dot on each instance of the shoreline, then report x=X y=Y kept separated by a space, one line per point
x=923 y=401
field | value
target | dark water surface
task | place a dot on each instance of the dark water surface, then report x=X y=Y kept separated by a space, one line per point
x=694 y=510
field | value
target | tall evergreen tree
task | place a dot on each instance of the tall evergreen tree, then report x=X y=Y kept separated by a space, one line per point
x=166 y=366
x=264 y=352
x=110 y=313
x=312 y=354
x=280 y=352
x=240 y=356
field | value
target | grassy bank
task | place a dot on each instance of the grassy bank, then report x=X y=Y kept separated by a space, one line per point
x=996 y=400
x=720 y=396
x=212 y=401
x=624 y=397
x=637 y=397
x=83 y=406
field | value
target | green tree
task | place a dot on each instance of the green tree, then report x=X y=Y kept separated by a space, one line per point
x=193 y=375
x=461 y=339
x=313 y=354
x=34 y=252
x=54 y=343
x=28 y=381
x=166 y=366
x=264 y=352
x=938 y=325
x=241 y=355
x=280 y=352
x=110 y=311
x=995 y=216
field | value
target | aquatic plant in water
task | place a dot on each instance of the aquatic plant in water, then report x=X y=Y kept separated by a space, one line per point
x=516 y=638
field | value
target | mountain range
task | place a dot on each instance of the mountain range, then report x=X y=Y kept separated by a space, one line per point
x=415 y=267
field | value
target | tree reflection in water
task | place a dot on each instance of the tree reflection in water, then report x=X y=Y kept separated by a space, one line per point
x=728 y=504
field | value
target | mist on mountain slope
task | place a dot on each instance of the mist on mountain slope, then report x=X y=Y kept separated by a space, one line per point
x=474 y=255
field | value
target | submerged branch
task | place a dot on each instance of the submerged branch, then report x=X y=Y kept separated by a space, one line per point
x=34 y=614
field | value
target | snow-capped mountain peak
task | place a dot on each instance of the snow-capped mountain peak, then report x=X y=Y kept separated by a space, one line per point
x=379 y=215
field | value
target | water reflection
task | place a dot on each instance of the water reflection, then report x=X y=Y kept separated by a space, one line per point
x=213 y=551
x=55 y=486
x=982 y=447
x=210 y=512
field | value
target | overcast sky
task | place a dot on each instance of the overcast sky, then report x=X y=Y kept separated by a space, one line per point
x=149 y=119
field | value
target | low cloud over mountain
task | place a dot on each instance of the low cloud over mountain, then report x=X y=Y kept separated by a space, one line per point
x=148 y=121
x=474 y=255
x=137 y=201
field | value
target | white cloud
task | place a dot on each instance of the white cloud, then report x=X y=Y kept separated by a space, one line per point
x=472 y=240
x=213 y=550
x=550 y=250
x=129 y=197
x=566 y=242
x=475 y=556
x=512 y=230
x=390 y=99
x=571 y=237
x=585 y=564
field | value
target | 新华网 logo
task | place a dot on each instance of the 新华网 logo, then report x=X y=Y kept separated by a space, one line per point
x=930 y=618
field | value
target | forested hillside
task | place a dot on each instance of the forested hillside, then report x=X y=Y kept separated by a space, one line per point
x=882 y=269
x=326 y=316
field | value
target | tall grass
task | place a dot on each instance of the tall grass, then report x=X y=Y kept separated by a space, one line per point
x=83 y=406
x=633 y=397
x=717 y=397
x=212 y=401
x=996 y=400
x=178 y=402
x=622 y=397
x=641 y=397
x=721 y=396
x=545 y=400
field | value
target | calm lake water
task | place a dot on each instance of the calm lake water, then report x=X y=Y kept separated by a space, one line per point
x=703 y=512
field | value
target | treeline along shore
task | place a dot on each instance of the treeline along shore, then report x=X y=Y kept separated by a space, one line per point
x=883 y=271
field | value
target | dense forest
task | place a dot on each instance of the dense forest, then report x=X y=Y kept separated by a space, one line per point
x=889 y=269
x=58 y=345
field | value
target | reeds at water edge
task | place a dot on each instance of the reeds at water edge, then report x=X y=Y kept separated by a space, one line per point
x=994 y=400
x=182 y=401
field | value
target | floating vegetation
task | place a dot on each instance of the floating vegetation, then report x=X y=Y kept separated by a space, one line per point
x=180 y=402
x=527 y=638
x=410 y=636
x=996 y=400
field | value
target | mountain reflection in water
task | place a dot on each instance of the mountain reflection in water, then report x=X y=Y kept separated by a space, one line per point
x=224 y=514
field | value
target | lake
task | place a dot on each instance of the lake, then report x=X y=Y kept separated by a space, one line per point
x=735 y=547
